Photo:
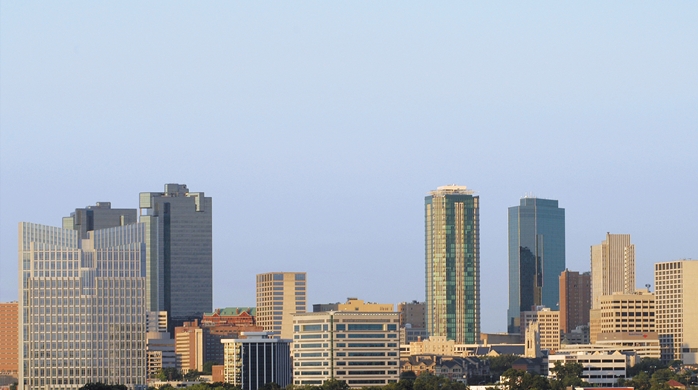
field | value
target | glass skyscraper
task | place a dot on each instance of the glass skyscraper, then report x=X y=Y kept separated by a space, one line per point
x=452 y=244
x=536 y=257
x=82 y=308
x=179 y=252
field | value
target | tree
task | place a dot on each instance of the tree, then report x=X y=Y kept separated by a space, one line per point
x=208 y=368
x=333 y=384
x=648 y=365
x=102 y=386
x=408 y=375
x=271 y=386
x=192 y=375
x=566 y=375
x=523 y=380
x=169 y=374
x=501 y=363
x=428 y=381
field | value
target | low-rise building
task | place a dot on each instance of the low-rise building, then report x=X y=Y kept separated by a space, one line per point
x=645 y=345
x=599 y=368
x=257 y=359
x=360 y=348
x=452 y=367
x=9 y=341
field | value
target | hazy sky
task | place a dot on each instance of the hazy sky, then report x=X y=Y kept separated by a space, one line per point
x=319 y=127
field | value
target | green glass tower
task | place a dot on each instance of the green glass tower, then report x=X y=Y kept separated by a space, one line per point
x=452 y=243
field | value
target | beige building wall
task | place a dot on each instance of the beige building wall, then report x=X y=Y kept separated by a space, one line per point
x=9 y=338
x=612 y=267
x=676 y=290
x=354 y=304
x=435 y=345
x=548 y=324
x=189 y=347
x=279 y=296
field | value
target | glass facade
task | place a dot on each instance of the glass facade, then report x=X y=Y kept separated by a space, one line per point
x=452 y=243
x=536 y=257
x=179 y=252
x=82 y=307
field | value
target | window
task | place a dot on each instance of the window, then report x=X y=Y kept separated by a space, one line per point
x=365 y=326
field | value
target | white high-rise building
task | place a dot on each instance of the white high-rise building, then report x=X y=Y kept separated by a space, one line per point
x=82 y=307
x=676 y=290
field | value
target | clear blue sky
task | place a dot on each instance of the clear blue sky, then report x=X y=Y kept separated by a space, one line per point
x=319 y=127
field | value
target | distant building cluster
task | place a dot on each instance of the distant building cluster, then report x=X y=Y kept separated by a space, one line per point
x=125 y=296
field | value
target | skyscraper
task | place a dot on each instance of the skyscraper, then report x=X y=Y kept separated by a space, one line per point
x=575 y=300
x=452 y=243
x=279 y=295
x=179 y=252
x=612 y=267
x=82 y=308
x=100 y=216
x=676 y=289
x=536 y=256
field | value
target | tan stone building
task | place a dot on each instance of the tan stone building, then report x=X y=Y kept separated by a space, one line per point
x=548 y=324
x=623 y=313
x=676 y=289
x=354 y=304
x=612 y=267
x=9 y=339
x=279 y=296
x=434 y=345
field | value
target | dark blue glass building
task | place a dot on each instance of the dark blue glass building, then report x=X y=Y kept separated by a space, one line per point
x=536 y=256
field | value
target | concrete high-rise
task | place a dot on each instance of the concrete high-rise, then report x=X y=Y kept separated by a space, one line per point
x=83 y=315
x=575 y=300
x=279 y=295
x=536 y=256
x=179 y=252
x=676 y=289
x=452 y=246
x=612 y=267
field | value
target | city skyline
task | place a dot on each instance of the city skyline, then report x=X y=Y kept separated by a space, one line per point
x=292 y=116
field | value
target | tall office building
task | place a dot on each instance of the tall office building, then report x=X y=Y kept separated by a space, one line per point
x=279 y=295
x=575 y=300
x=612 y=267
x=676 y=289
x=536 y=256
x=179 y=252
x=452 y=243
x=81 y=307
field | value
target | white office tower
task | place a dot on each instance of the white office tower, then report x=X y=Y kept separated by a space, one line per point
x=82 y=307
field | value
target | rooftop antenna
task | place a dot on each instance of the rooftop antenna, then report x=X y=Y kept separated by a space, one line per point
x=648 y=287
